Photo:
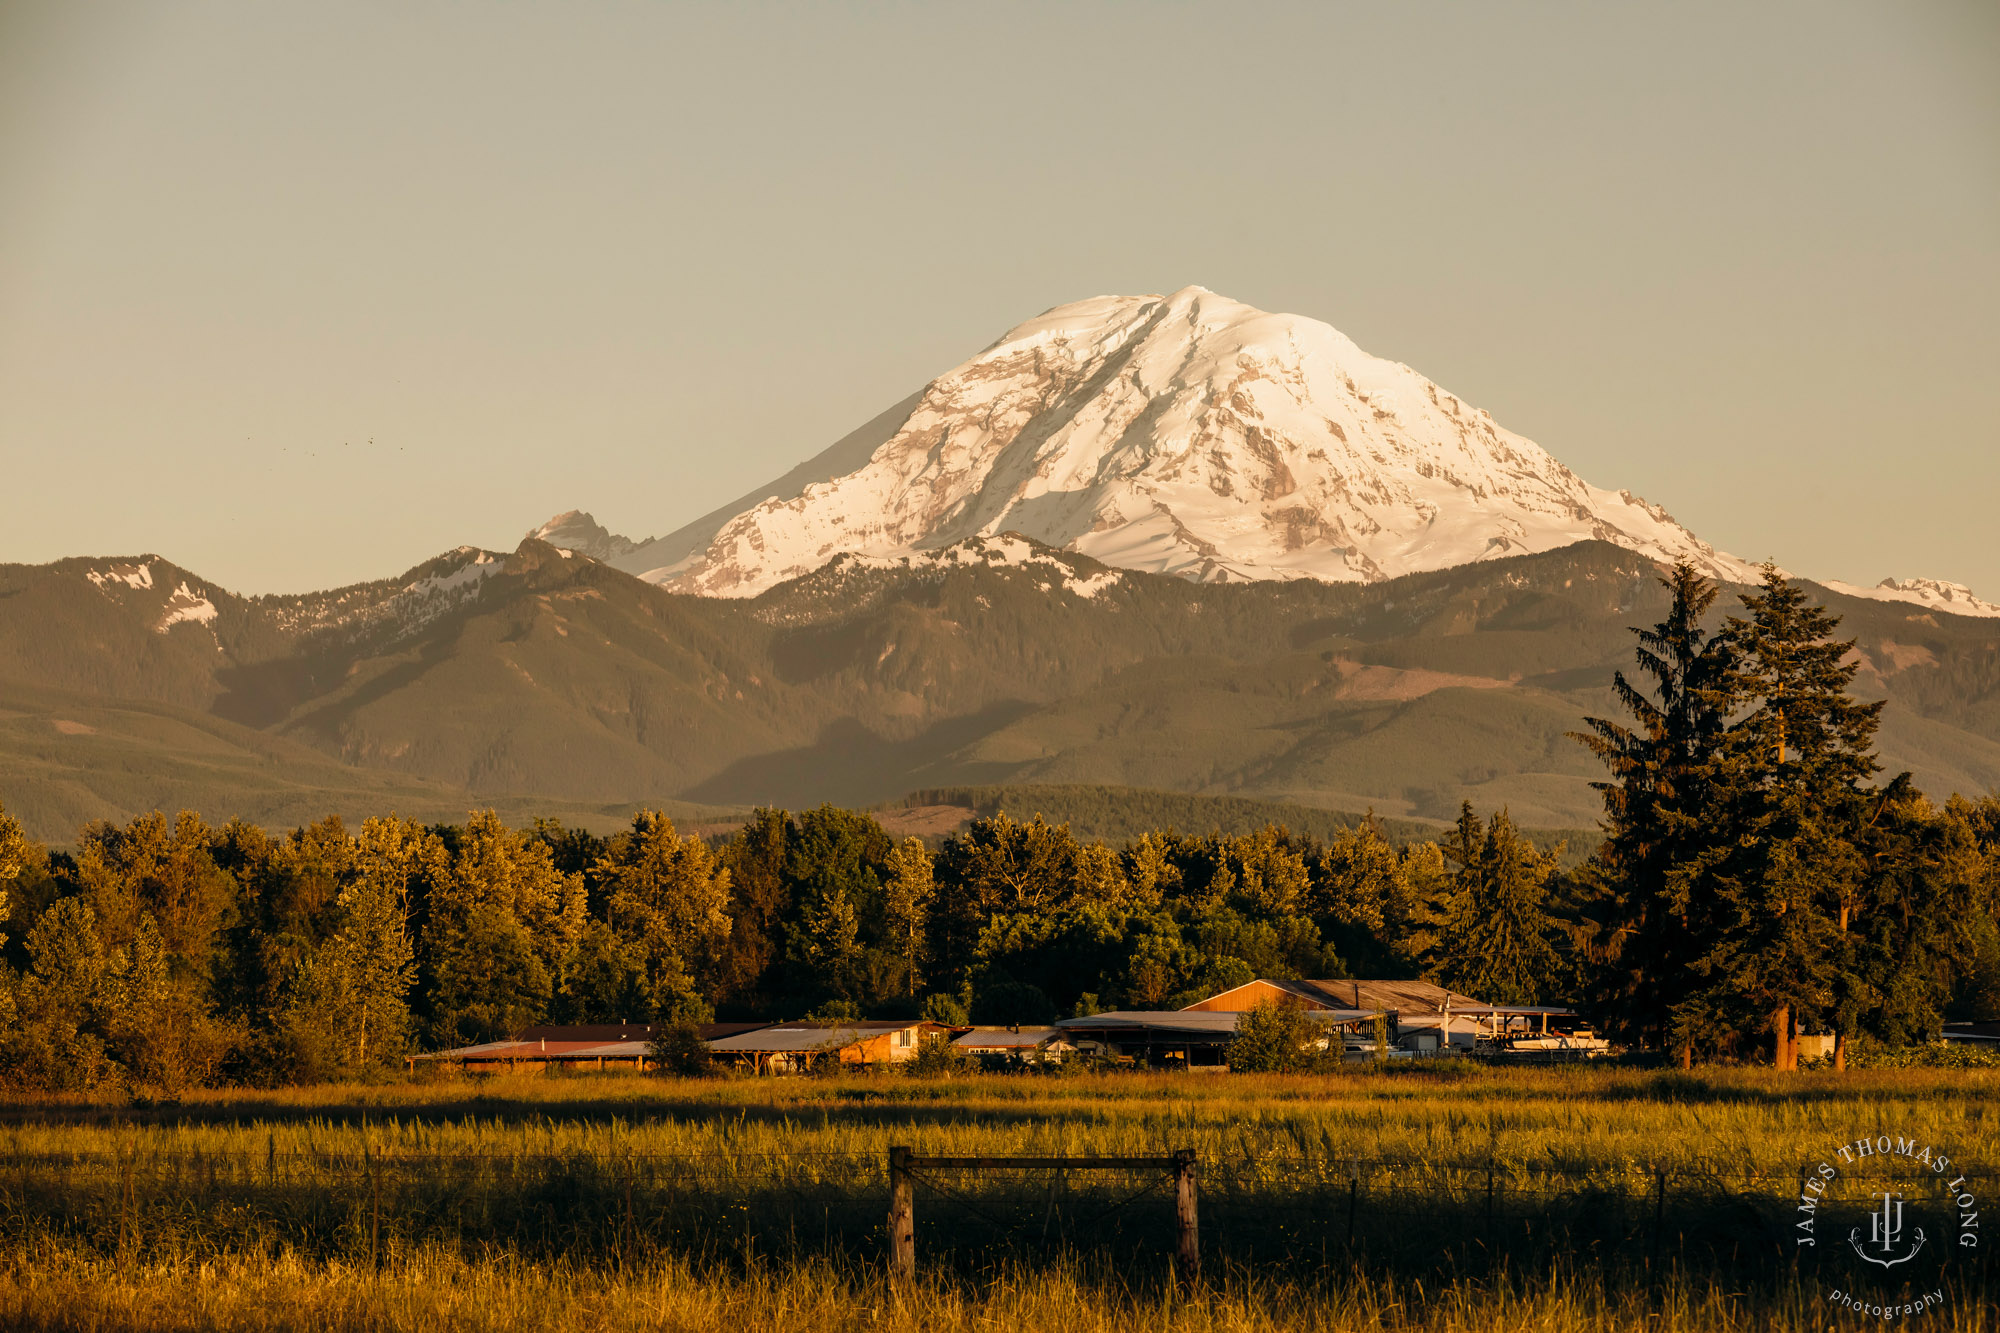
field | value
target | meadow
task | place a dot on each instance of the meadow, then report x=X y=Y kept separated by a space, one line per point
x=1451 y=1197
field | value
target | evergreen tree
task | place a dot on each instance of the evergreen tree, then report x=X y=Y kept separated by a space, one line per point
x=840 y=943
x=760 y=901
x=1500 y=943
x=824 y=947
x=1784 y=868
x=1658 y=815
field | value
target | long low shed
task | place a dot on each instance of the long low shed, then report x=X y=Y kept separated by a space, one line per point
x=1190 y=1036
x=788 y=1047
x=629 y=1043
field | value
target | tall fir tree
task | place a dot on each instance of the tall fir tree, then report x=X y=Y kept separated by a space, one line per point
x=1785 y=867
x=1657 y=817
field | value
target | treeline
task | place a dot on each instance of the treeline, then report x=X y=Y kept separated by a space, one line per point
x=169 y=952
x=1753 y=878
x=1122 y=814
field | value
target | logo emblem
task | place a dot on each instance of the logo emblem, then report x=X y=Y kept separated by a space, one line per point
x=1890 y=1196
x=1885 y=1230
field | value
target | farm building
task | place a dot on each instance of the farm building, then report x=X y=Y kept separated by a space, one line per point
x=787 y=1048
x=587 y=1044
x=1013 y=1046
x=1420 y=1013
x=1185 y=1037
x=1415 y=1009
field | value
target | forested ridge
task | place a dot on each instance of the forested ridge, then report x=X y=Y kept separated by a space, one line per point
x=539 y=685
x=1754 y=875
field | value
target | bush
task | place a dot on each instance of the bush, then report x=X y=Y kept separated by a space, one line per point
x=1863 y=1053
x=946 y=1010
x=936 y=1058
x=170 y=1045
x=680 y=1050
x=1282 y=1038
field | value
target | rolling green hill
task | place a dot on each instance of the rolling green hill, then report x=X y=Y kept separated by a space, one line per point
x=545 y=682
x=67 y=759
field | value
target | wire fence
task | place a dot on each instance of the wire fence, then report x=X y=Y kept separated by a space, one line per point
x=620 y=1207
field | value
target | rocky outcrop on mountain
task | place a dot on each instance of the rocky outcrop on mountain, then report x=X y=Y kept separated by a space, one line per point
x=574 y=530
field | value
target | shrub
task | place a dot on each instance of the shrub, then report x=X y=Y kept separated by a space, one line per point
x=1282 y=1038
x=679 y=1049
x=936 y=1058
x=944 y=1009
x=1863 y=1053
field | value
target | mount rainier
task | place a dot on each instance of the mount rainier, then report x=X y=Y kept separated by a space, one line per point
x=1186 y=434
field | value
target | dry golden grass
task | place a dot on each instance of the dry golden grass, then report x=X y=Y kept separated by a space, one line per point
x=617 y=1201
x=48 y=1290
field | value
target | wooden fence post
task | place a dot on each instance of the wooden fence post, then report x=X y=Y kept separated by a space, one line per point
x=375 y=1210
x=1353 y=1189
x=1659 y=1215
x=902 y=1217
x=1187 y=1252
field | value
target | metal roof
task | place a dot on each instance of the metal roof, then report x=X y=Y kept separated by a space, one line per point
x=587 y=1032
x=1403 y=998
x=1006 y=1039
x=584 y=1042
x=1213 y=1022
x=782 y=1037
x=1513 y=1010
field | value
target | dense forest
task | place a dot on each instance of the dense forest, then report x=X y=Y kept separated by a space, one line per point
x=1754 y=878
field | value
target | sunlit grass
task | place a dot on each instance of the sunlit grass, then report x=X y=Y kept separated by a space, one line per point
x=1441 y=1198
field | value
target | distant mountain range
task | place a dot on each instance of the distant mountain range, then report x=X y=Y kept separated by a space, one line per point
x=1155 y=542
x=540 y=676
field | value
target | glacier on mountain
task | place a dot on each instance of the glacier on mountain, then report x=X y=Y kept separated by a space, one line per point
x=1184 y=434
x=1938 y=595
x=1193 y=435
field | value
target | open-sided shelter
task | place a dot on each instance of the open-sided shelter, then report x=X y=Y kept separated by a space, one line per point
x=1189 y=1037
x=1014 y=1046
x=784 y=1048
x=594 y=1044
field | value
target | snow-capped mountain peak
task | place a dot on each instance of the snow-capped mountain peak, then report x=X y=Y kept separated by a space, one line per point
x=1186 y=434
x=1935 y=594
x=574 y=530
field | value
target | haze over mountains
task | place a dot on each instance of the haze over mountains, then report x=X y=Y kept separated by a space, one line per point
x=1163 y=542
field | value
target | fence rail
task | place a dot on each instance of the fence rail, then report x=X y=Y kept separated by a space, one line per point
x=615 y=1205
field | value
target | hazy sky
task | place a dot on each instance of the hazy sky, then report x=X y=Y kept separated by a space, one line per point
x=301 y=294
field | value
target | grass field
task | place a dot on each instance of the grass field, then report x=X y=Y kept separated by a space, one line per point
x=1446 y=1199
